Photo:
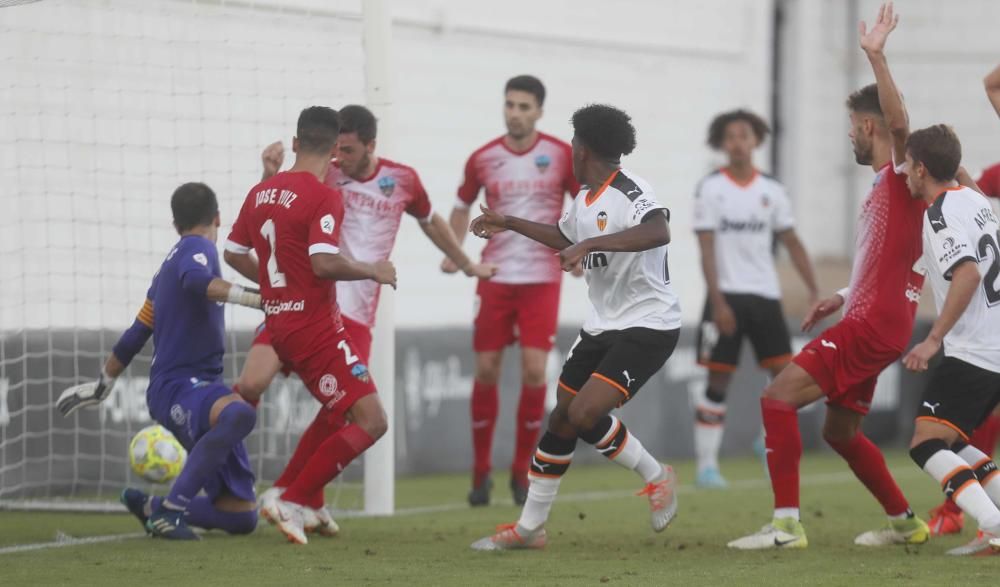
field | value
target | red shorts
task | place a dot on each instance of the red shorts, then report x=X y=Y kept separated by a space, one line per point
x=845 y=360
x=515 y=311
x=360 y=335
x=329 y=365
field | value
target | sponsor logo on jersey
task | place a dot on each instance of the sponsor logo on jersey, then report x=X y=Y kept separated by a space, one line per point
x=387 y=185
x=752 y=225
x=913 y=293
x=602 y=220
x=542 y=162
x=177 y=414
x=641 y=208
x=360 y=373
x=595 y=261
x=273 y=309
x=949 y=243
x=329 y=388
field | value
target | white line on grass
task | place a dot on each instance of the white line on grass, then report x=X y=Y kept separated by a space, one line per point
x=583 y=496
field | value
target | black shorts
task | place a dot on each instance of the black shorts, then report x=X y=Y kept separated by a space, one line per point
x=624 y=358
x=960 y=395
x=758 y=318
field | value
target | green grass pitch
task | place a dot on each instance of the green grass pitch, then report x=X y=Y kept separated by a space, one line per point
x=599 y=534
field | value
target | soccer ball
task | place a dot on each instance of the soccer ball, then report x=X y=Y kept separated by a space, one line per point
x=155 y=455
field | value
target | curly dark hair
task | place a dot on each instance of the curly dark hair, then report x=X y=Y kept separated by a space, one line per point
x=717 y=130
x=605 y=130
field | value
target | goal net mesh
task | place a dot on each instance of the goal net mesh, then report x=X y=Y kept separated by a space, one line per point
x=106 y=107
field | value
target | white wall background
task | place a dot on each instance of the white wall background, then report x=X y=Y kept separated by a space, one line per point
x=107 y=105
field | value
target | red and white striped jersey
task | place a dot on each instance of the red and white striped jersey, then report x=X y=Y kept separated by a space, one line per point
x=530 y=185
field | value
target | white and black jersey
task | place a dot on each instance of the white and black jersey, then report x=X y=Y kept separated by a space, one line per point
x=961 y=226
x=626 y=289
x=744 y=218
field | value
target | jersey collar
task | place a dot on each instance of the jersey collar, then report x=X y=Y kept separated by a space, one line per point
x=593 y=196
x=742 y=184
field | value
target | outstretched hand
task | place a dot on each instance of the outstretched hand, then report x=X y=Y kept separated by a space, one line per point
x=873 y=41
x=488 y=224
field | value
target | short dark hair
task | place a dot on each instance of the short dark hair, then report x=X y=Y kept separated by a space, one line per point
x=938 y=148
x=193 y=204
x=605 y=130
x=527 y=83
x=717 y=129
x=317 y=129
x=865 y=100
x=358 y=119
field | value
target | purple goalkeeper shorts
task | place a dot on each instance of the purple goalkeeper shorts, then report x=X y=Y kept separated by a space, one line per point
x=183 y=406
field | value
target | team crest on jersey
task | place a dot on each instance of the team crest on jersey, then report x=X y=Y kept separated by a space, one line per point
x=360 y=373
x=328 y=385
x=602 y=220
x=387 y=185
x=542 y=162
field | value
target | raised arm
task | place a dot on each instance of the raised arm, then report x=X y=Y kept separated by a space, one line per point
x=889 y=98
x=992 y=83
x=492 y=222
x=272 y=158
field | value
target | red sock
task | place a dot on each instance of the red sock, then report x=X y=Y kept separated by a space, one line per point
x=784 y=449
x=985 y=437
x=330 y=458
x=485 y=405
x=318 y=431
x=530 y=412
x=868 y=464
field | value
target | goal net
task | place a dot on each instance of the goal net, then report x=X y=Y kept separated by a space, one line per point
x=107 y=106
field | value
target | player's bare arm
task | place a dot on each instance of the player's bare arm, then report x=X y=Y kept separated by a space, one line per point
x=724 y=318
x=992 y=83
x=220 y=290
x=342 y=268
x=244 y=263
x=821 y=310
x=492 y=222
x=272 y=158
x=893 y=110
x=441 y=234
x=965 y=279
x=800 y=259
x=459 y=222
x=651 y=233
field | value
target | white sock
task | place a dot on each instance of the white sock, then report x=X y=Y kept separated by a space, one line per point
x=541 y=494
x=984 y=466
x=786 y=513
x=630 y=454
x=708 y=429
x=957 y=480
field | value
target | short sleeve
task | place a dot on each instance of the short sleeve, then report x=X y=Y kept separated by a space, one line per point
x=469 y=190
x=706 y=218
x=420 y=207
x=194 y=265
x=781 y=212
x=567 y=223
x=324 y=225
x=238 y=240
x=643 y=208
x=950 y=244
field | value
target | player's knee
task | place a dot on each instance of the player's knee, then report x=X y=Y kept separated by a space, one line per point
x=559 y=423
x=922 y=451
x=838 y=435
x=243 y=523
x=583 y=417
x=376 y=425
x=487 y=371
x=533 y=376
x=241 y=416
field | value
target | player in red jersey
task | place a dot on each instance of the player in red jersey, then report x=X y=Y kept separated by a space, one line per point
x=947 y=518
x=377 y=192
x=293 y=223
x=844 y=361
x=527 y=173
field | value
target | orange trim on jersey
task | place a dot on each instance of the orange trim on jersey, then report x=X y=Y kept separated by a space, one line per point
x=146 y=314
x=771 y=361
x=944 y=423
x=954 y=189
x=720 y=367
x=567 y=388
x=612 y=382
x=742 y=184
x=593 y=196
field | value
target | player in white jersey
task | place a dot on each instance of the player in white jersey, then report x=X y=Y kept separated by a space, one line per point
x=738 y=213
x=619 y=230
x=961 y=258
x=377 y=192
